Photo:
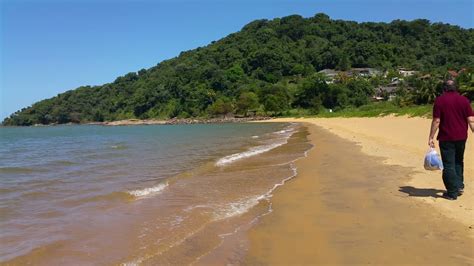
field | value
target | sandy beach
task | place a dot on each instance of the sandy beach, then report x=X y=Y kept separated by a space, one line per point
x=362 y=196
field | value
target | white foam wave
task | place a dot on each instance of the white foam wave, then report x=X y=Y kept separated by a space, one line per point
x=266 y=196
x=148 y=191
x=284 y=131
x=243 y=206
x=249 y=153
x=238 y=207
x=258 y=149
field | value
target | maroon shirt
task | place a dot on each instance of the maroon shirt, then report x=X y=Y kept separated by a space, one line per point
x=453 y=110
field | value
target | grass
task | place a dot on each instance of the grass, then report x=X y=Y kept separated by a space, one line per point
x=381 y=109
x=375 y=109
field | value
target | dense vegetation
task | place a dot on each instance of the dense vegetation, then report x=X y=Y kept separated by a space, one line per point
x=270 y=67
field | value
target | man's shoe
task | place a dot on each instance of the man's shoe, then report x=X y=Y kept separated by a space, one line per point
x=449 y=197
x=460 y=191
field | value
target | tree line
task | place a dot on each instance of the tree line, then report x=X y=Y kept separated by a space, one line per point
x=270 y=67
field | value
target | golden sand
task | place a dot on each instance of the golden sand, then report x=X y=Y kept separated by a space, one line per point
x=369 y=204
x=404 y=141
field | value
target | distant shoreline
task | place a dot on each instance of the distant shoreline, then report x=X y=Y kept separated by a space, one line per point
x=183 y=121
x=173 y=121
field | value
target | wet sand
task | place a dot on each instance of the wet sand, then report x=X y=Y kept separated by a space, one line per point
x=347 y=206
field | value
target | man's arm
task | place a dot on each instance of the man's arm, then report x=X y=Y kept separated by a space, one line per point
x=470 y=121
x=434 y=128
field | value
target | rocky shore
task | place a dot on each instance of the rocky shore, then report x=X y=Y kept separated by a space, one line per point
x=182 y=121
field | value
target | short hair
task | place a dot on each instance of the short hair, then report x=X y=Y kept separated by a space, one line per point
x=450 y=85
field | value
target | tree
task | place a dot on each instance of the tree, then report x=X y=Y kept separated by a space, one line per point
x=311 y=88
x=344 y=63
x=221 y=107
x=247 y=101
x=235 y=73
x=274 y=104
x=360 y=90
x=465 y=81
x=275 y=99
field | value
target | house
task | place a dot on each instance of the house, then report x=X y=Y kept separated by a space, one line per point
x=406 y=73
x=330 y=74
x=366 y=72
x=386 y=92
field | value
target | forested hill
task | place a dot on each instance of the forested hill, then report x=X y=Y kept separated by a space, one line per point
x=257 y=69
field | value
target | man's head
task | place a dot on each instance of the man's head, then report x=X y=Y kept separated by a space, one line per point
x=449 y=85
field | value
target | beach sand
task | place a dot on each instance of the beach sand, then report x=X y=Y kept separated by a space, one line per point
x=367 y=203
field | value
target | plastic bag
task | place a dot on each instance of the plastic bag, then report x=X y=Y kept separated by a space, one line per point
x=432 y=160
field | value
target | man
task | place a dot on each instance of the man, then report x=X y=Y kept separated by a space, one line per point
x=451 y=114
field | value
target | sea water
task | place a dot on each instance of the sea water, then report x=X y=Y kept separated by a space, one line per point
x=137 y=194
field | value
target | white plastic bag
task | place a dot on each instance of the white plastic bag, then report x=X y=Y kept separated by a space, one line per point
x=433 y=161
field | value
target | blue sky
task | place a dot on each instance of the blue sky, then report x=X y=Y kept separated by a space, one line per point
x=48 y=47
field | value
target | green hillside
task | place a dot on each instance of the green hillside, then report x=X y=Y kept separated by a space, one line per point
x=270 y=66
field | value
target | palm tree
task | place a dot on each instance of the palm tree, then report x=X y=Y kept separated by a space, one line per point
x=466 y=84
x=426 y=89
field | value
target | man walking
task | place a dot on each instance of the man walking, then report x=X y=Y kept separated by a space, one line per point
x=452 y=113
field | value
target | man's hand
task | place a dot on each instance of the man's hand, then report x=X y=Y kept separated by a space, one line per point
x=434 y=128
x=470 y=121
x=431 y=143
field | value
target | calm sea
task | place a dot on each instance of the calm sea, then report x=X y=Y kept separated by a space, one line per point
x=139 y=194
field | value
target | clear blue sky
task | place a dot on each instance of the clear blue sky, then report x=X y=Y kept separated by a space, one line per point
x=48 y=47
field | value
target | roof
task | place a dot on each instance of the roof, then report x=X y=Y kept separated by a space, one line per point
x=328 y=71
x=364 y=69
x=388 y=89
x=394 y=83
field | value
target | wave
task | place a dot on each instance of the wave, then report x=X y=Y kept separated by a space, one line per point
x=120 y=195
x=237 y=208
x=243 y=206
x=284 y=131
x=118 y=147
x=113 y=196
x=17 y=170
x=35 y=194
x=7 y=190
x=63 y=163
x=258 y=149
x=249 y=153
x=148 y=191
x=42 y=167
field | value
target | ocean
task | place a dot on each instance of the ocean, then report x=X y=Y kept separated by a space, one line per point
x=132 y=195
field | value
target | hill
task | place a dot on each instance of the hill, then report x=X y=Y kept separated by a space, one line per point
x=269 y=66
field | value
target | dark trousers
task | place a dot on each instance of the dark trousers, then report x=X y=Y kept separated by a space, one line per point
x=452 y=154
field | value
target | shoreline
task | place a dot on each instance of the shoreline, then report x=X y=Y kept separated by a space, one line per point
x=339 y=210
x=181 y=121
x=172 y=121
